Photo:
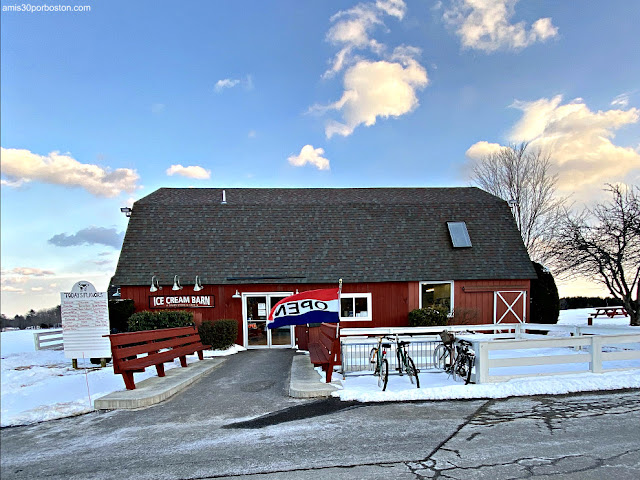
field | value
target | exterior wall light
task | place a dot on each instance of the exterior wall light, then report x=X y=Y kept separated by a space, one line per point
x=155 y=286
x=236 y=295
x=126 y=211
x=198 y=285
x=176 y=283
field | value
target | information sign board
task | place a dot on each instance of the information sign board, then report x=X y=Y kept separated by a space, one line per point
x=85 y=319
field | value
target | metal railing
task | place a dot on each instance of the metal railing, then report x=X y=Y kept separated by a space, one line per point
x=356 y=353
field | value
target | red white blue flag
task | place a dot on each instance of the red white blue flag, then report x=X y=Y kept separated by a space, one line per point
x=313 y=306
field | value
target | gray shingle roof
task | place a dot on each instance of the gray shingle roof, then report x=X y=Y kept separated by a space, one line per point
x=318 y=236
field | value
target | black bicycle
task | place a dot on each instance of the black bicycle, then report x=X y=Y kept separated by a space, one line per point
x=405 y=362
x=378 y=357
x=454 y=357
x=464 y=361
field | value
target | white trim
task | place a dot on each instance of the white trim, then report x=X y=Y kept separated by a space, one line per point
x=245 y=330
x=369 y=316
x=451 y=297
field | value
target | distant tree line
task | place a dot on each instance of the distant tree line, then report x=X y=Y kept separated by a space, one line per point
x=46 y=318
x=570 y=303
x=119 y=313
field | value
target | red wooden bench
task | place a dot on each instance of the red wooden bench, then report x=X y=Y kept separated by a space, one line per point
x=325 y=351
x=156 y=347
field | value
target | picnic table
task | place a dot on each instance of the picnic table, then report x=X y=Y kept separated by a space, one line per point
x=609 y=312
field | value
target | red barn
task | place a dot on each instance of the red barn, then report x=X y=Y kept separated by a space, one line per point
x=396 y=249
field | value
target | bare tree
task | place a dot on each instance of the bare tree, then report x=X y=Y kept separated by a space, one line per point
x=603 y=243
x=522 y=177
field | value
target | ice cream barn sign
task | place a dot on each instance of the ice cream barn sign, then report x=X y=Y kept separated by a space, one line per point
x=181 y=301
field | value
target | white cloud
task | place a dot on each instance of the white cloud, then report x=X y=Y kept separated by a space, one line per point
x=395 y=8
x=190 y=172
x=9 y=288
x=14 y=280
x=310 y=155
x=36 y=272
x=225 y=83
x=21 y=166
x=483 y=149
x=377 y=89
x=621 y=100
x=486 y=25
x=352 y=30
x=580 y=142
x=37 y=289
x=374 y=88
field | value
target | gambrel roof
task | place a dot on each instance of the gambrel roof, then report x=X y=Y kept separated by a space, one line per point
x=317 y=235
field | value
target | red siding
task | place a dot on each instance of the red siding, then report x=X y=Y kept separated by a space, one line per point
x=391 y=301
x=474 y=298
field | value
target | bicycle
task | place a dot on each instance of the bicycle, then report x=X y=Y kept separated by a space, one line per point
x=405 y=362
x=458 y=361
x=443 y=355
x=378 y=356
x=464 y=362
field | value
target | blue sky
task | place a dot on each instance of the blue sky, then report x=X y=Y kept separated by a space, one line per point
x=102 y=107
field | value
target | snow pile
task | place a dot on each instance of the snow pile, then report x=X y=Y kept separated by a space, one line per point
x=439 y=386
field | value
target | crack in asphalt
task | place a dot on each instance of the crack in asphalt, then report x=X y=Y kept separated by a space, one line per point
x=552 y=412
x=530 y=466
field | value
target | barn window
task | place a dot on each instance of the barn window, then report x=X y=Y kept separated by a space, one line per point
x=355 y=306
x=459 y=234
x=436 y=294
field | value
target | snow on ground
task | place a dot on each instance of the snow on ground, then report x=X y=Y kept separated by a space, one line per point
x=579 y=317
x=42 y=385
x=437 y=385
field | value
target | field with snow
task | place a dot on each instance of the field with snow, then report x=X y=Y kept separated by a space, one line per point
x=41 y=385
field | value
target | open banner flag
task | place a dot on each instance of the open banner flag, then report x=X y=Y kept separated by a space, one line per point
x=313 y=306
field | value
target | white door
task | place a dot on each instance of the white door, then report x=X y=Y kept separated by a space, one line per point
x=255 y=310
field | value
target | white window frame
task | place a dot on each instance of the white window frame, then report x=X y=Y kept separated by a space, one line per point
x=245 y=326
x=369 y=316
x=450 y=282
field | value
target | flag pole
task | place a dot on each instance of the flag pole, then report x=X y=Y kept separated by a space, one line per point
x=339 y=307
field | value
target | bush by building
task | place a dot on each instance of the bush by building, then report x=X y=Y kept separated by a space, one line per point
x=147 y=320
x=119 y=313
x=545 y=302
x=428 y=317
x=220 y=334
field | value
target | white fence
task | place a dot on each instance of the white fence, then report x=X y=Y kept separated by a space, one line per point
x=586 y=349
x=48 y=340
x=509 y=351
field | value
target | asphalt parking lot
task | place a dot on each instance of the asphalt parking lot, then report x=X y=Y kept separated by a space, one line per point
x=239 y=421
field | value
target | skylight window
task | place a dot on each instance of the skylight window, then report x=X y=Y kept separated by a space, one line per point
x=459 y=234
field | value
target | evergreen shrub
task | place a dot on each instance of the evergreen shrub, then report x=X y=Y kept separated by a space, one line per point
x=545 y=302
x=147 y=320
x=119 y=313
x=220 y=334
x=428 y=317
